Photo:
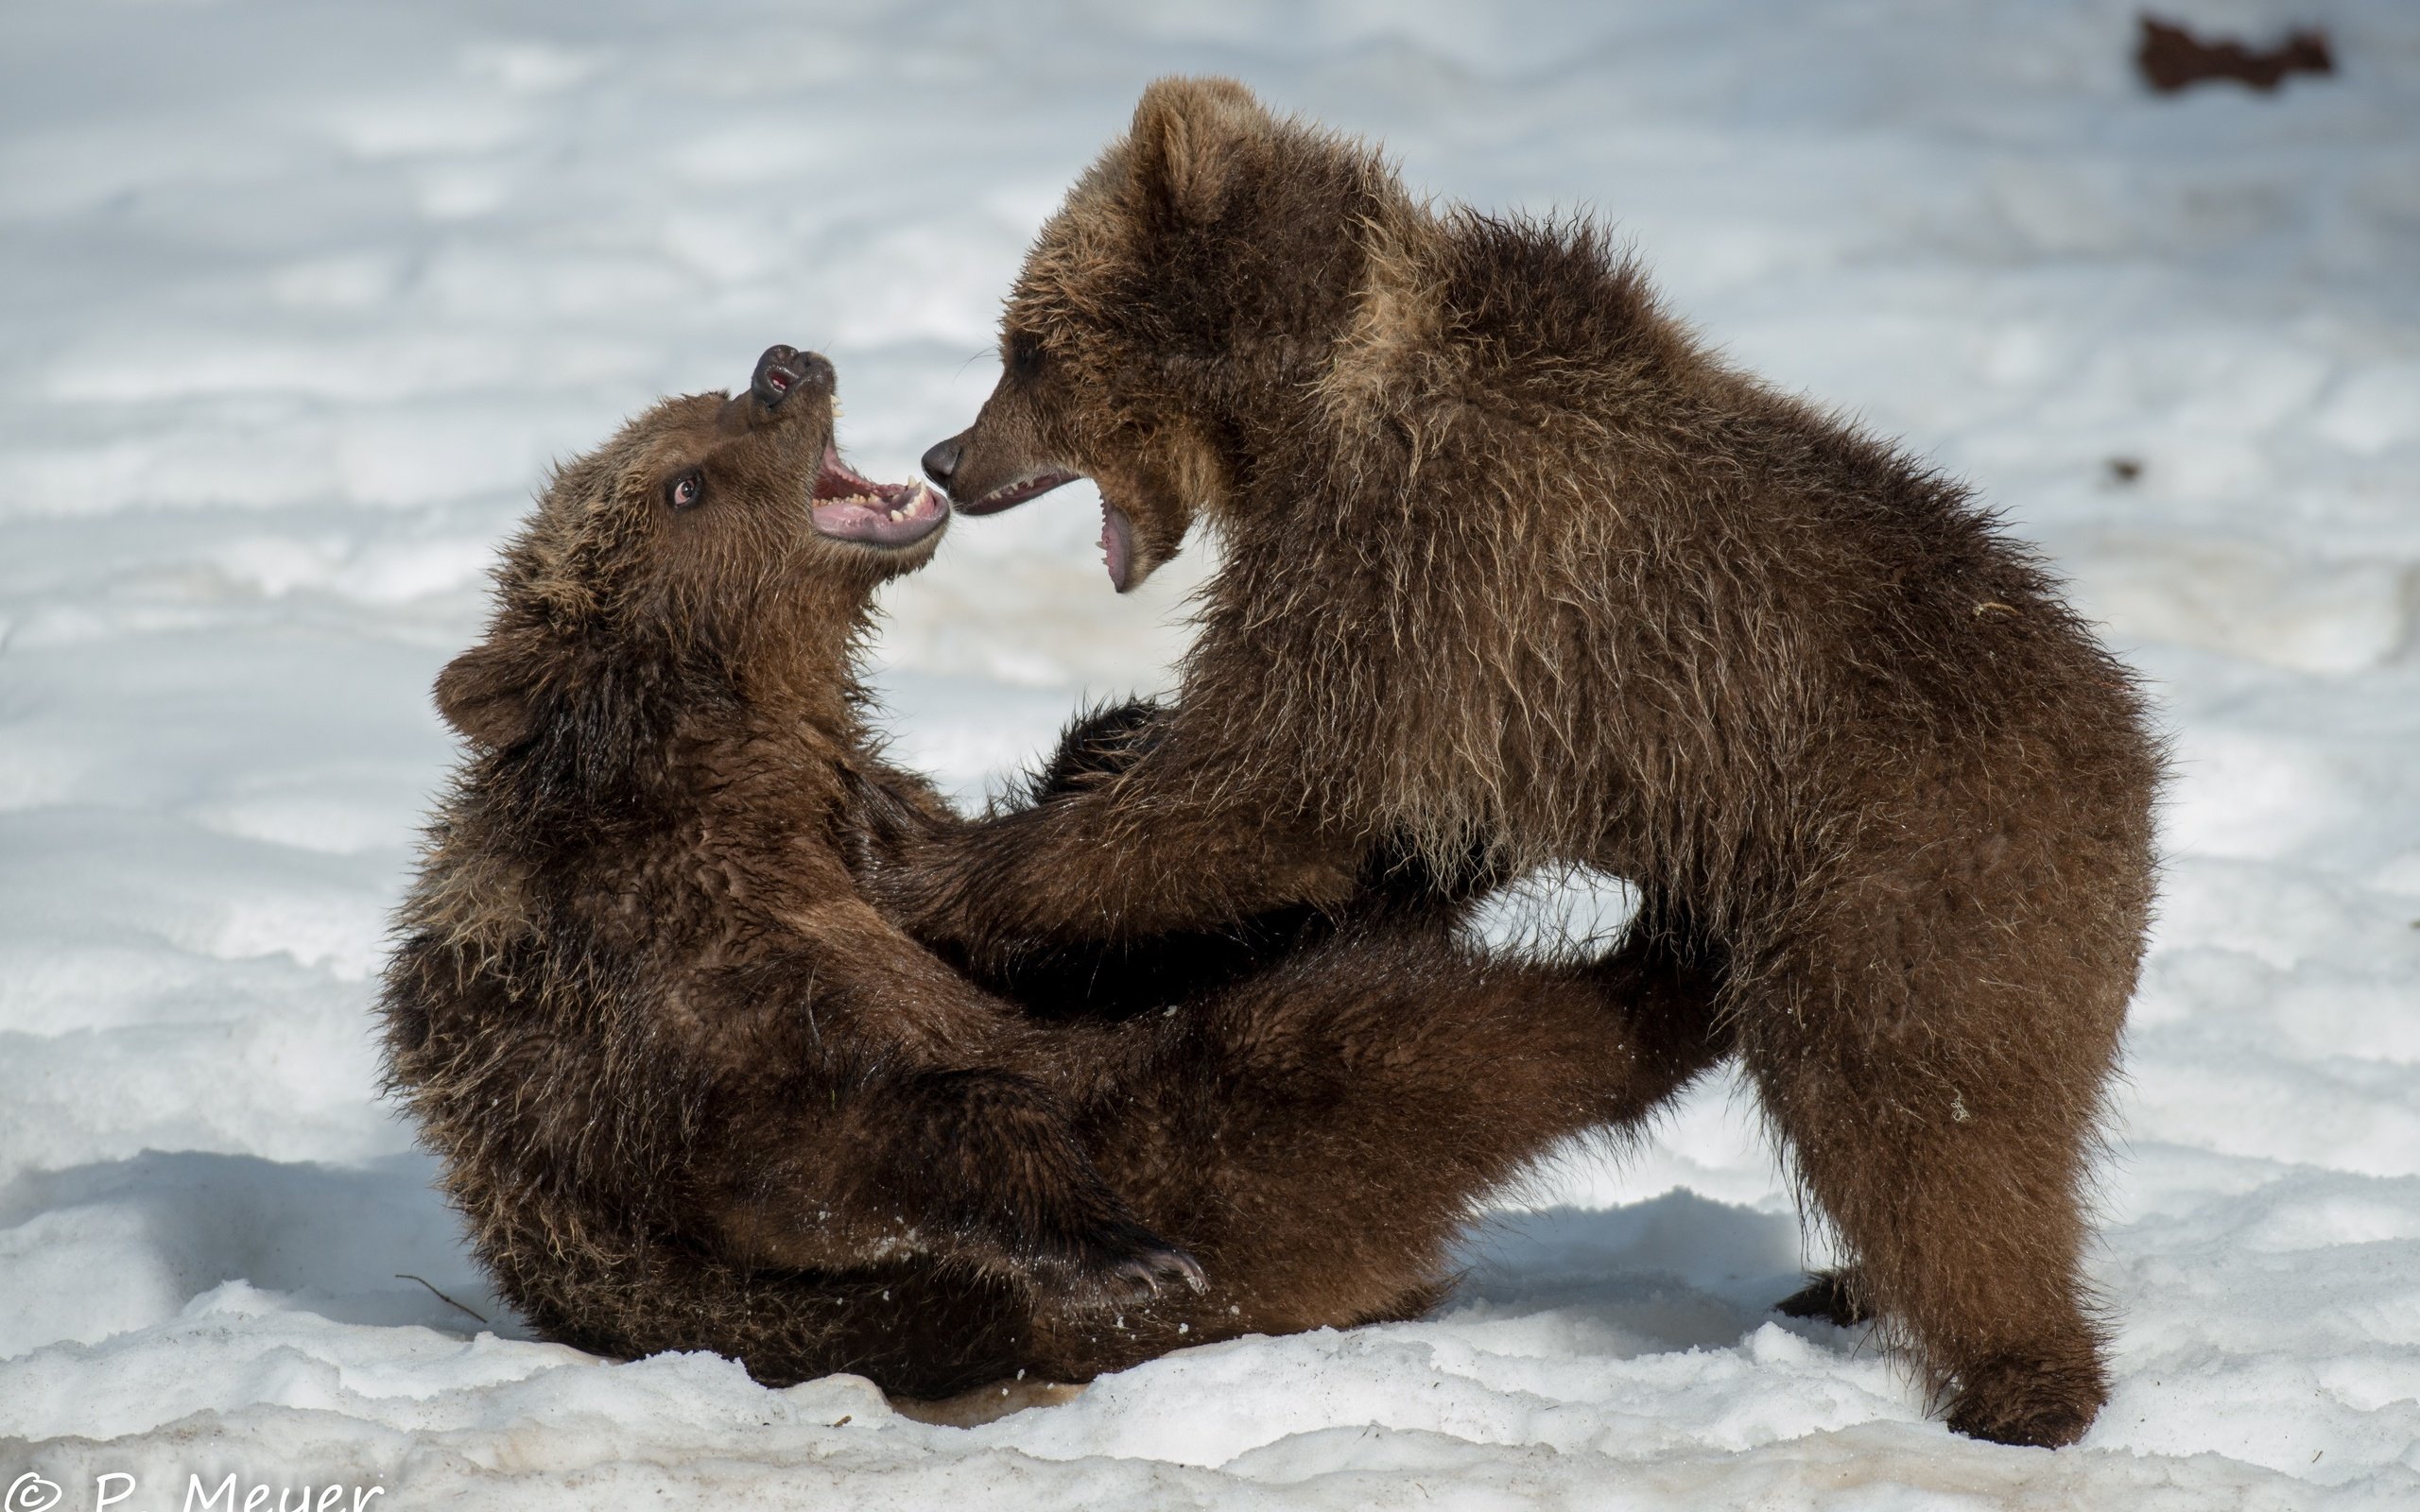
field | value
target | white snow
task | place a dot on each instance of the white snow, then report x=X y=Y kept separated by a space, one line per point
x=300 y=299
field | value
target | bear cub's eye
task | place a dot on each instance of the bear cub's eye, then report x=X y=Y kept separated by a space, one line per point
x=1025 y=356
x=686 y=489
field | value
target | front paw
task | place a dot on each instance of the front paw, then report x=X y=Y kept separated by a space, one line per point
x=2038 y=1400
x=1122 y=1266
x=1103 y=742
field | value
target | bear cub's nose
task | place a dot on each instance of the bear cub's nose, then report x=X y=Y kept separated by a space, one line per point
x=941 y=461
x=782 y=371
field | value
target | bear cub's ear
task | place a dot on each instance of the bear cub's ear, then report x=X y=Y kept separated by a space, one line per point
x=490 y=691
x=1190 y=140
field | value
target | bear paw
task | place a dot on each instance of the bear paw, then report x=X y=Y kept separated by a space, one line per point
x=2027 y=1400
x=1832 y=1295
x=1124 y=1266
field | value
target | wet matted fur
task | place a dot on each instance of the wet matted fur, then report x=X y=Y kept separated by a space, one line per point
x=1517 y=568
x=692 y=1091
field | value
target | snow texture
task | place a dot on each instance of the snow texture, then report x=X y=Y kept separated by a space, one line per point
x=300 y=299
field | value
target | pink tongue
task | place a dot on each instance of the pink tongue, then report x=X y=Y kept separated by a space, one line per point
x=1116 y=545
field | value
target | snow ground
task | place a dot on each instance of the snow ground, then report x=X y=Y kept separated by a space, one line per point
x=300 y=299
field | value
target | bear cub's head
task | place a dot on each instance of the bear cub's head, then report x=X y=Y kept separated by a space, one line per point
x=1186 y=294
x=713 y=532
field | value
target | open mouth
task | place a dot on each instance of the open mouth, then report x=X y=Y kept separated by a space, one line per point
x=1010 y=495
x=848 y=506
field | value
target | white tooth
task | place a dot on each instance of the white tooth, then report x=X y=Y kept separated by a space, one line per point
x=897 y=515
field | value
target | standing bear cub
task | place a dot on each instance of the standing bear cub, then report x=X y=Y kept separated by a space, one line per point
x=694 y=1090
x=1517 y=570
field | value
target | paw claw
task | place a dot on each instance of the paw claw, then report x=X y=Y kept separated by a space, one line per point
x=1131 y=1267
x=1140 y=1276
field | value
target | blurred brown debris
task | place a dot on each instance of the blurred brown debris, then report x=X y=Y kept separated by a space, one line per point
x=2171 y=58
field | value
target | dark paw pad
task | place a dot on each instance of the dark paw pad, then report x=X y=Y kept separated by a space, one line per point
x=2016 y=1398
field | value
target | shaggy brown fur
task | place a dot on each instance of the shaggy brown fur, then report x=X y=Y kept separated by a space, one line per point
x=693 y=1091
x=1517 y=569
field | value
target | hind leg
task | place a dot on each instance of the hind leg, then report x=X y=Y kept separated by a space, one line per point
x=1937 y=1078
x=1319 y=1136
x=1836 y=1297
